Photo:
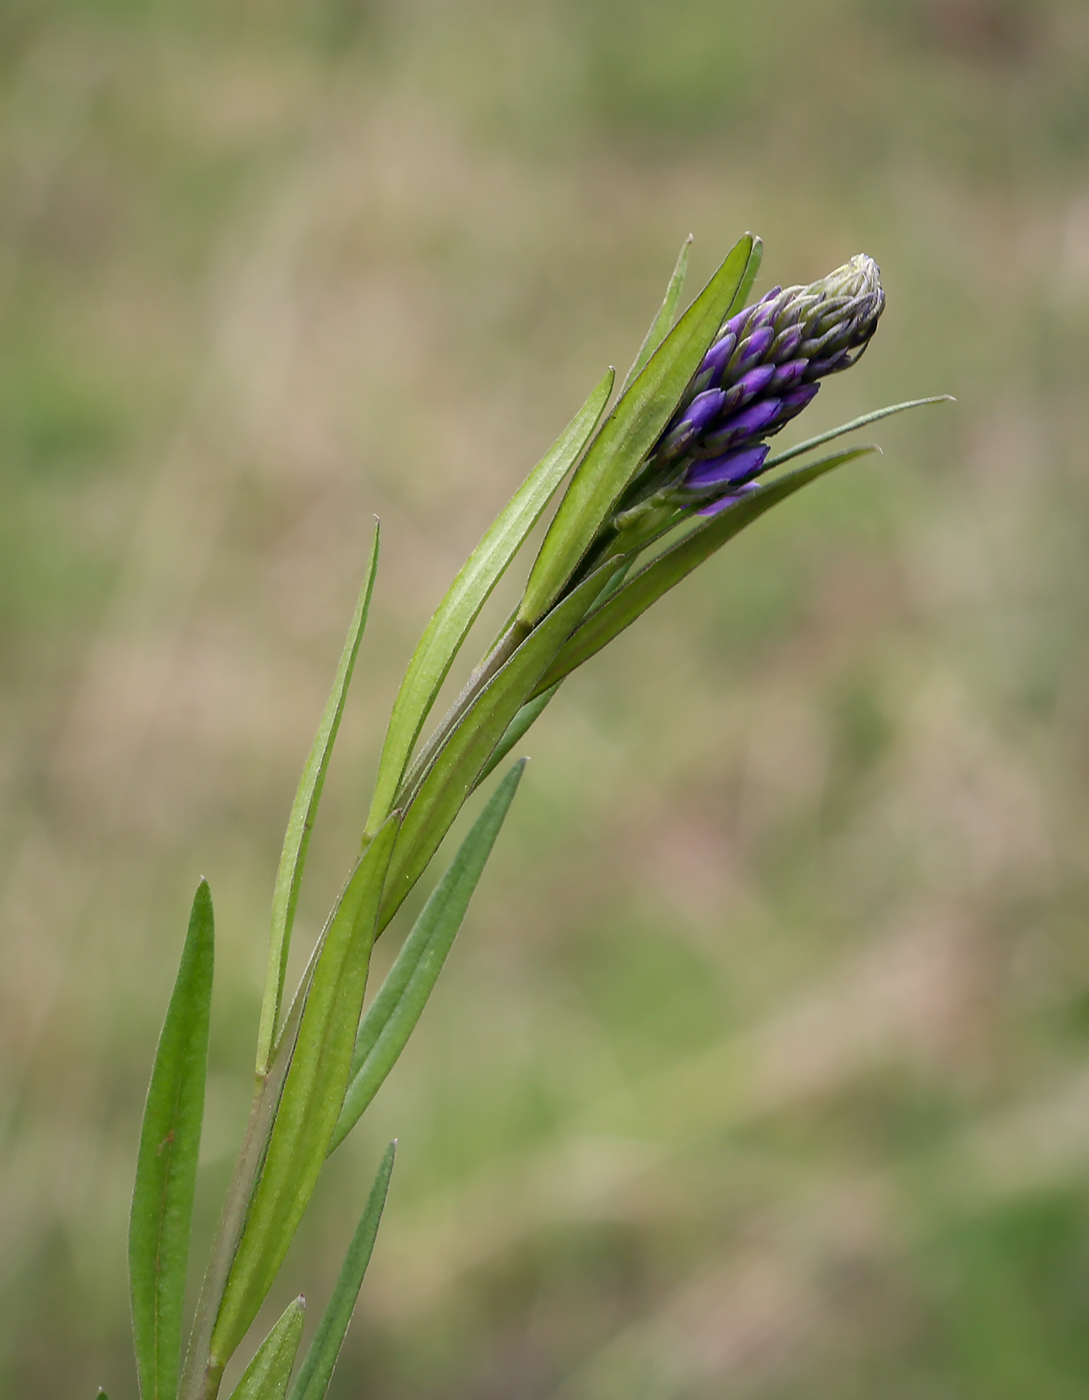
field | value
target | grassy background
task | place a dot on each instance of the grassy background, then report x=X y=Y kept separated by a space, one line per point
x=760 y=1068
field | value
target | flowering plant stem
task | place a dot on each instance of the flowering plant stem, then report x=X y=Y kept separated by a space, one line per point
x=674 y=470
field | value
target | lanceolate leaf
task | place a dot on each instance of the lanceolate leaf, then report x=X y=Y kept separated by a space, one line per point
x=852 y=426
x=627 y=435
x=621 y=608
x=311 y=1099
x=301 y=821
x=752 y=267
x=522 y=721
x=456 y=768
x=162 y=1201
x=312 y=1382
x=667 y=314
x=267 y=1375
x=392 y=1015
x=458 y=610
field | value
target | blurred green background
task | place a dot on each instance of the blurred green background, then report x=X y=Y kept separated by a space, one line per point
x=761 y=1067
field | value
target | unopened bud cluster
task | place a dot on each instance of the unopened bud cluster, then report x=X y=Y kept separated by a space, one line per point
x=762 y=370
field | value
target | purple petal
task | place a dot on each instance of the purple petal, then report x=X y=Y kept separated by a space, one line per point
x=789 y=374
x=720 y=352
x=703 y=408
x=731 y=500
x=797 y=399
x=724 y=471
x=747 y=387
x=691 y=420
x=750 y=422
x=828 y=364
x=786 y=344
x=751 y=349
x=736 y=324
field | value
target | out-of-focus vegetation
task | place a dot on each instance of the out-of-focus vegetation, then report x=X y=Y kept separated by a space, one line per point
x=761 y=1067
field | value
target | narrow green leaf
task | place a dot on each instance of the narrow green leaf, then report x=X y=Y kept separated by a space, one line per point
x=621 y=608
x=452 y=774
x=101 y=1395
x=522 y=721
x=267 y=1375
x=392 y=1015
x=312 y=1096
x=667 y=314
x=457 y=612
x=166 y=1170
x=628 y=435
x=304 y=809
x=855 y=423
x=312 y=1382
x=752 y=267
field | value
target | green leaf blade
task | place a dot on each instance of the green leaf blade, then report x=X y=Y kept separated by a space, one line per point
x=457 y=612
x=628 y=435
x=621 y=608
x=752 y=267
x=267 y=1375
x=864 y=422
x=455 y=770
x=312 y=1382
x=162 y=1200
x=311 y=1100
x=301 y=821
x=394 y=1012
x=667 y=314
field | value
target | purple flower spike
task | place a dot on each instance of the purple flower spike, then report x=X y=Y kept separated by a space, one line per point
x=760 y=373
x=726 y=471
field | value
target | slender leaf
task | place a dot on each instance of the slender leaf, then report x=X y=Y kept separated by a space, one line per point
x=304 y=809
x=628 y=435
x=392 y=1015
x=752 y=267
x=162 y=1200
x=312 y=1096
x=457 y=612
x=621 y=608
x=522 y=721
x=863 y=422
x=312 y=1382
x=667 y=314
x=267 y=1375
x=459 y=763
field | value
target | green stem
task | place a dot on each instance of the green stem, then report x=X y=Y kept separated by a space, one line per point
x=203 y=1372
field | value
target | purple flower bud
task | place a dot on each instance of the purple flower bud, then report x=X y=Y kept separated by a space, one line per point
x=720 y=352
x=796 y=400
x=751 y=350
x=734 y=467
x=731 y=500
x=785 y=345
x=696 y=416
x=748 y=386
x=786 y=375
x=761 y=372
x=750 y=422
